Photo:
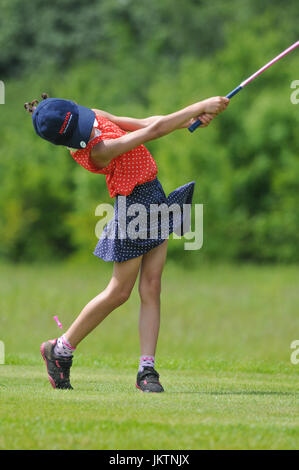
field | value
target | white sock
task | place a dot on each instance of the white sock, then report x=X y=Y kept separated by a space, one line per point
x=63 y=347
x=146 y=361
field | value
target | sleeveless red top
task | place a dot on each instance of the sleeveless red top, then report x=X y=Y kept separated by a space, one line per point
x=123 y=172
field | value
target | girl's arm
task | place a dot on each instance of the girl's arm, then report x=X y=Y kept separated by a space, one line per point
x=103 y=152
x=127 y=123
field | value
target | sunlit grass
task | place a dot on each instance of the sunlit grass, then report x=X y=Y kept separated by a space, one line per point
x=223 y=356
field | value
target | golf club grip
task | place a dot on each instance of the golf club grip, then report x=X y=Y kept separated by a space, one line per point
x=197 y=123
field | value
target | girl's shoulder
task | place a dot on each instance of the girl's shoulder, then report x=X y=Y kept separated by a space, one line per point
x=100 y=118
x=109 y=129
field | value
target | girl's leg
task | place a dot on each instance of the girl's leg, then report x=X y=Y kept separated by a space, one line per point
x=116 y=293
x=149 y=290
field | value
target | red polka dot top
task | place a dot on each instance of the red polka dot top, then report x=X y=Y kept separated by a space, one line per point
x=125 y=171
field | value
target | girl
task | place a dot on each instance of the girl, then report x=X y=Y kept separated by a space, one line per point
x=113 y=146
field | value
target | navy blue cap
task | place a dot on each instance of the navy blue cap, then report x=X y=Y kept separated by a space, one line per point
x=63 y=122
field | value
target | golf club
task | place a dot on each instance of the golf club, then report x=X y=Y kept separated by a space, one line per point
x=240 y=87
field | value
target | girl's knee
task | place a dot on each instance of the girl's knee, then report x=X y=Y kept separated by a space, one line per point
x=122 y=296
x=118 y=295
x=150 y=288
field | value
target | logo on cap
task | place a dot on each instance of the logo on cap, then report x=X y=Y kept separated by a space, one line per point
x=83 y=144
x=66 y=123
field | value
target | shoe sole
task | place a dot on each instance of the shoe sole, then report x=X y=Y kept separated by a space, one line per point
x=139 y=388
x=42 y=351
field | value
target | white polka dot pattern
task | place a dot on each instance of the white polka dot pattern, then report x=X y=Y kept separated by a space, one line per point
x=123 y=172
x=118 y=249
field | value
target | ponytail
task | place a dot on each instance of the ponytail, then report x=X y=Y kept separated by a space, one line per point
x=30 y=107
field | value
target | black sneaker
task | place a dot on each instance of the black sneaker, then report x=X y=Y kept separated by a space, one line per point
x=148 y=381
x=58 y=367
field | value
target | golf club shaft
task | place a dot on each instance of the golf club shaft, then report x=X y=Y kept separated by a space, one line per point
x=271 y=62
x=236 y=90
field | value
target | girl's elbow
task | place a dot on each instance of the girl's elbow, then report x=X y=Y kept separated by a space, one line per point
x=100 y=157
x=100 y=163
x=156 y=130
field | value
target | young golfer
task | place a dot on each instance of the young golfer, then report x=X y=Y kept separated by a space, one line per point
x=106 y=144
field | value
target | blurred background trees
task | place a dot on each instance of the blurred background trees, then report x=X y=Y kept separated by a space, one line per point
x=138 y=58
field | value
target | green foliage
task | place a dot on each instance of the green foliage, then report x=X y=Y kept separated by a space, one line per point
x=138 y=59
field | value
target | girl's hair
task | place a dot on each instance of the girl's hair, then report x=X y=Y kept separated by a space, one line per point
x=30 y=107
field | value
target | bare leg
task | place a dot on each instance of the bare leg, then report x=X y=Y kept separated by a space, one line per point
x=116 y=293
x=149 y=290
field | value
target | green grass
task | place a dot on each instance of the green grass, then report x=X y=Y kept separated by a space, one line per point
x=224 y=359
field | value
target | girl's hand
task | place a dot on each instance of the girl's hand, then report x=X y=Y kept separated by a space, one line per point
x=205 y=118
x=215 y=105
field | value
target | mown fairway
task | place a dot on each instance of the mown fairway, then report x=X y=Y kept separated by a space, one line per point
x=224 y=360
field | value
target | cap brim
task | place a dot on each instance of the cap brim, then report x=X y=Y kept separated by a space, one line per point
x=81 y=134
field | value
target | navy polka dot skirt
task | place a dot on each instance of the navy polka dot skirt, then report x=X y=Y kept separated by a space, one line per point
x=139 y=224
